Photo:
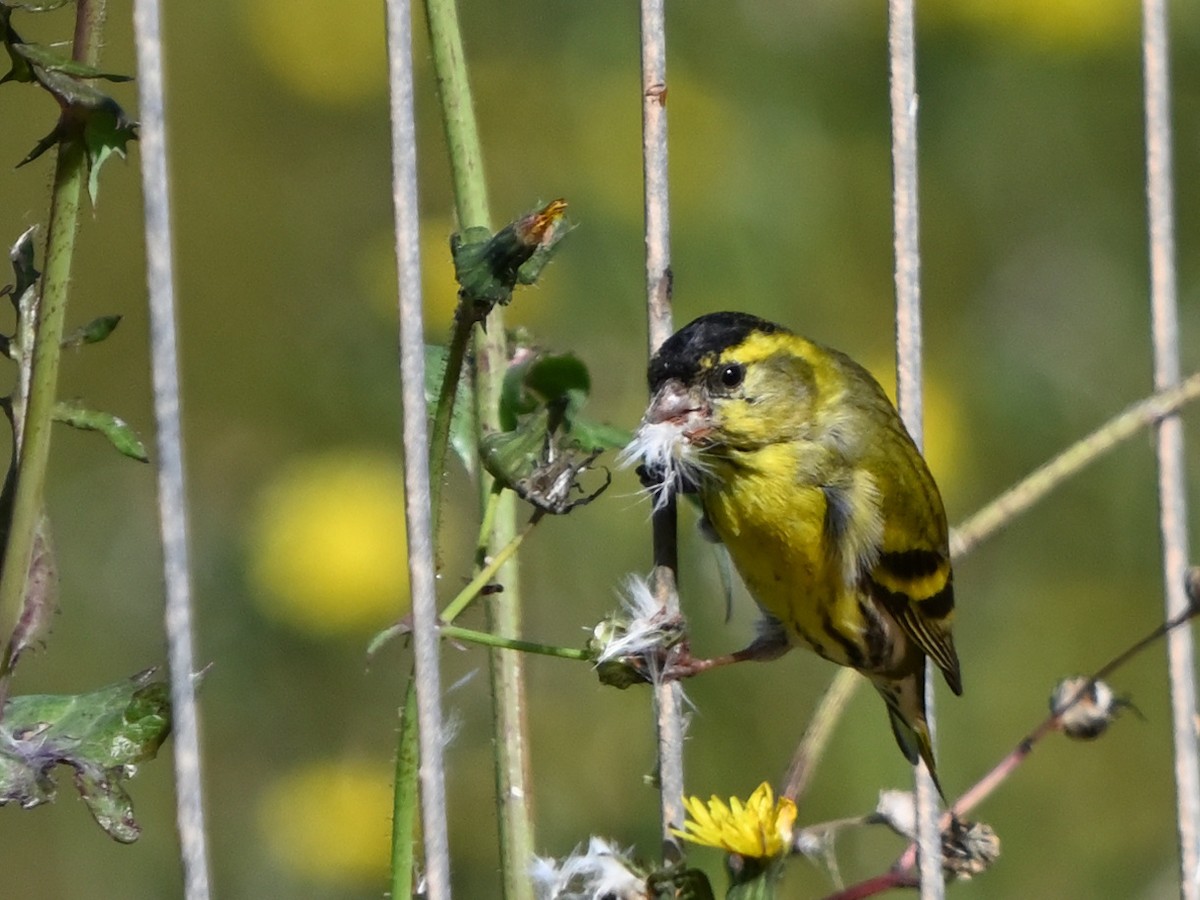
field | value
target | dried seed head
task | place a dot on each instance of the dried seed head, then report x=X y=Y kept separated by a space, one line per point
x=602 y=870
x=968 y=848
x=1085 y=708
x=630 y=646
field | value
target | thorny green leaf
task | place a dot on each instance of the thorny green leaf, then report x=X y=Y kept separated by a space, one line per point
x=116 y=429
x=102 y=735
x=462 y=424
x=92 y=333
x=88 y=113
x=51 y=60
x=104 y=135
x=488 y=266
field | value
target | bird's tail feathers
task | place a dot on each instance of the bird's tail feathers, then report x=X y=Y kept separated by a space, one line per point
x=905 y=699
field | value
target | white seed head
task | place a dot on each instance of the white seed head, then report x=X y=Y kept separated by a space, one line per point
x=602 y=871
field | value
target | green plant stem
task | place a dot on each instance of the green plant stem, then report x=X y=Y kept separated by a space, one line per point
x=458 y=114
x=70 y=173
x=487 y=639
x=439 y=429
x=489 y=572
x=513 y=791
x=404 y=797
x=491 y=356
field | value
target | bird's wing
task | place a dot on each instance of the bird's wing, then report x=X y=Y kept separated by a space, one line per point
x=917 y=588
x=912 y=577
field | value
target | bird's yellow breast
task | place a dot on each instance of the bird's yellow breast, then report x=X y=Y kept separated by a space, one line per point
x=774 y=528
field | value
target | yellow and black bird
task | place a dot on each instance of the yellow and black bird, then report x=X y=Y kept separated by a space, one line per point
x=807 y=475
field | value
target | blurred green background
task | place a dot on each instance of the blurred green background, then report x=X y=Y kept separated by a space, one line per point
x=1035 y=290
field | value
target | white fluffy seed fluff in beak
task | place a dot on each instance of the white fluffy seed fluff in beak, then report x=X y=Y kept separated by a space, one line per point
x=663 y=442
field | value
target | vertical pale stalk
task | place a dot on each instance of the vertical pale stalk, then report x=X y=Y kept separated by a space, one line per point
x=902 y=58
x=668 y=696
x=513 y=788
x=1169 y=445
x=172 y=495
x=418 y=516
x=70 y=172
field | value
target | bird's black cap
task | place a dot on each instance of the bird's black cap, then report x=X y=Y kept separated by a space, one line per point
x=681 y=353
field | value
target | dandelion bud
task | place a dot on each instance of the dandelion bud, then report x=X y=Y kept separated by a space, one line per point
x=1084 y=707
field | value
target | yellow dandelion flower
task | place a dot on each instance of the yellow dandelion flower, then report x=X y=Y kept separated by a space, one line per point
x=760 y=828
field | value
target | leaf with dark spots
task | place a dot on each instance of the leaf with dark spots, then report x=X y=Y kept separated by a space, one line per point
x=102 y=735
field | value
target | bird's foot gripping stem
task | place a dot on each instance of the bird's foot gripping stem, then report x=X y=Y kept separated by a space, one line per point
x=681 y=664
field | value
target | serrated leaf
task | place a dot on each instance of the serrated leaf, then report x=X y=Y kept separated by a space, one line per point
x=105 y=134
x=88 y=113
x=598 y=435
x=52 y=60
x=462 y=420
x=559 y=380
x=36 y=5
x=102 y=735
x=93 y=332
x=116 y=429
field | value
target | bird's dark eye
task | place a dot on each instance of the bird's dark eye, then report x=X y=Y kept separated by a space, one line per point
x=731 y=375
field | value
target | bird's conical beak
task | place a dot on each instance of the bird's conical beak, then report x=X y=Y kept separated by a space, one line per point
x=674 y=402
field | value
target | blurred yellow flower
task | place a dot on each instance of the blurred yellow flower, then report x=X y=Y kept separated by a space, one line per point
x=331 y=54
x=330 y=820
x=760 y=828
x=327 y=543
x=1058 y=25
